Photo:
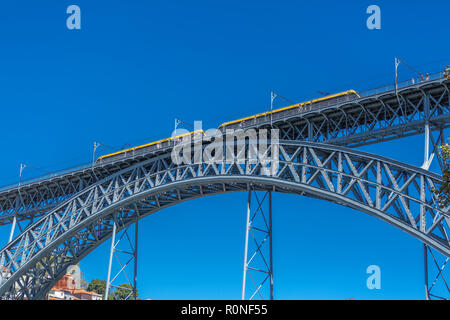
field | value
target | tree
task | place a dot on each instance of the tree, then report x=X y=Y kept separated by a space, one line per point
x=444 y=191
x=122 y=292
x=98 y=286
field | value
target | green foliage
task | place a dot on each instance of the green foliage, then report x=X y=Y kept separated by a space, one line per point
x=116 y=293
x=98 y=286
x=444 y=191
x=122 y=292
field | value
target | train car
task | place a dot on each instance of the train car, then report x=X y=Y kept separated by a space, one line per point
x=164 y=143
x=258 y=118
x=295 y=108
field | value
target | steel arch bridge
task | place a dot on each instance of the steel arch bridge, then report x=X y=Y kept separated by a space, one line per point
x=378 y=117
x=402 y=195
x=77 y=209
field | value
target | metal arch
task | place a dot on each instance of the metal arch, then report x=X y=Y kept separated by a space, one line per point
x=343 y=113
x=325 y=116
x=399 y=194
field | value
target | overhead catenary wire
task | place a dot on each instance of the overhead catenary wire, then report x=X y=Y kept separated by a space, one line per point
x=410 y=67
x=384 y=75
x=397 y=64
x=23 y=166
x=178 y=121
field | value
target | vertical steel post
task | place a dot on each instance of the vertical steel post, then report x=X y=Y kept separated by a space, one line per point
x=270 y=239
x=135 y=253
x=426 y=166
x=13 y=227
x=108 y=281
x=272 y=97
x=96 y=145
x=396 y=74
x=247 y=229
x=427 y=144
x=425 y=259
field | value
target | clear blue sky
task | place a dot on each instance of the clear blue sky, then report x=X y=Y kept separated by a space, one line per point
x=136 y=65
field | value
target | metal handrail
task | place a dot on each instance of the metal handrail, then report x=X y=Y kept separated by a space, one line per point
x=46 y=176
x=403 y=84
x=318 y=105
x=89 y=165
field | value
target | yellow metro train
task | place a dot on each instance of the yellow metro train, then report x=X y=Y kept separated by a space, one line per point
x=156 y=144
x=346 y=95
x=315 y=103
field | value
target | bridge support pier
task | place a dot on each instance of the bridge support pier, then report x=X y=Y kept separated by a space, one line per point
x=425 y=259
x=130 y=252
x=258 y=263
x=440 y=265
x=438 y=288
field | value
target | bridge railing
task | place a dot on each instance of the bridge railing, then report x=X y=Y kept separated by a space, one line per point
x=402 y=84
x=100 y=162
x=46 y=176
x=322 y=104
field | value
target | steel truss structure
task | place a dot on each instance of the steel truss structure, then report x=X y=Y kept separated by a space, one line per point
x=438 y=266
x=258 y=262
x=62 y=217
x=400 y=194
x=379 y=117
x=130 y=253
x=435 y=279
x=373 y=119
